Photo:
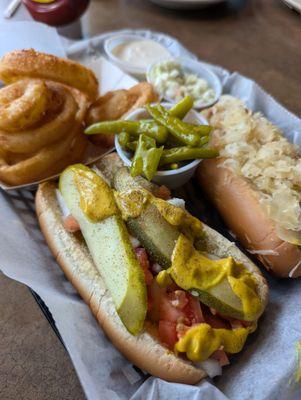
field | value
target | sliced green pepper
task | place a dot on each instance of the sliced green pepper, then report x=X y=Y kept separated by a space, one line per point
x=132 y=145
x=202 y=130
x=146 y=158
x=124 y=138
x=180 y=109
x=184 y=153
x=134 y=128
x=126 y=141
x=174 y=125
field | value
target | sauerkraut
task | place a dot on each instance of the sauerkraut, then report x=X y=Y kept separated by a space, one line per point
x=255 y=148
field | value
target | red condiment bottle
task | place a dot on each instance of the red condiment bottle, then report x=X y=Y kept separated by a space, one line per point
x=56 y=12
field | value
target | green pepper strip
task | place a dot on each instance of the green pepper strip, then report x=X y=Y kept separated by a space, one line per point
x=185 y=133
x=183 y=153
x=132 y=145
x=199 y=130
x=174 y=125
x=180 y=109
x=173 y=142
x=124 y=138
x=135 y=128
x=146 y=158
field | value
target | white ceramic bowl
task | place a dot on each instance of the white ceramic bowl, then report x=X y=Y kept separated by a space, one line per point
x=197 y=68
x=172 y=178
x=114 y=41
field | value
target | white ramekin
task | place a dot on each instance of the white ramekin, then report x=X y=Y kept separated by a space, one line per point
x=114 y=41
x=198 y=68
x=172 y=178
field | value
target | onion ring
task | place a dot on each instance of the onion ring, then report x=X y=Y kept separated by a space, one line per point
x=143 y=93
x=46 y=162
x=51 y=129
x=29 y=63
x=116 y=105
x=109 y=107
x=22 y=104
x=82 y=102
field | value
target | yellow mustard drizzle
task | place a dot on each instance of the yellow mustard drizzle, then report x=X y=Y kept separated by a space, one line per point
x=200 y=341
x=163 y=279
x=132 y=202
x=191 y=270
x=190 y=226
x=96 y=197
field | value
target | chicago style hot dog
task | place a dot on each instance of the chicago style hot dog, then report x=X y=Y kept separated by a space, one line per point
x=174 y=296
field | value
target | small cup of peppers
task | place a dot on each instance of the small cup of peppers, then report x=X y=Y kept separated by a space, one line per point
x=162 y=142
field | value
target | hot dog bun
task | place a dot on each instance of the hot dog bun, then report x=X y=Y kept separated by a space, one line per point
x=239 y=207
x=73 y=257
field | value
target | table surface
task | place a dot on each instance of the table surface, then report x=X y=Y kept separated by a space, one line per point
x=258 y=38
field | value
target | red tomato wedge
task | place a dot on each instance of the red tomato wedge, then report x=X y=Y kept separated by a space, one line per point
x=162 y=192
x=179 y=299
x=167 y=333
x=193 y=310
x=167 y=311
x=221 y=357
x=215 y=321
x=143 y=260
x=154 y=297
x=71 y=224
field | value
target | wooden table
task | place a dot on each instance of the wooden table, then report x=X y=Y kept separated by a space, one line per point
x=259 y=38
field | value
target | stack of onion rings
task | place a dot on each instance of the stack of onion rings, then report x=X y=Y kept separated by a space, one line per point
x=43 y=146
x=42 y=112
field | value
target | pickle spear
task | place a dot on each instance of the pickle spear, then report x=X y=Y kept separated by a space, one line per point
x=113 y=255
x=159 y=238
x=156 y=235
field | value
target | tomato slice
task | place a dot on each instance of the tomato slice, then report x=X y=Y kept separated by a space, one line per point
x=143 y=260
x=167 y=333
x=193 y=310
x=167 y=311
x=221 y=356
x=235 y=323
x=215 y=321
x=71 y=224
x=179 y=299
x=162 y=192
x=155 y=293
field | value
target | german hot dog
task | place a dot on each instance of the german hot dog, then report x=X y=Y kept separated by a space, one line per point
x=256 y=185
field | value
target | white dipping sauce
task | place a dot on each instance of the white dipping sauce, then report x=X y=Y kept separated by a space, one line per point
x=140 y=53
